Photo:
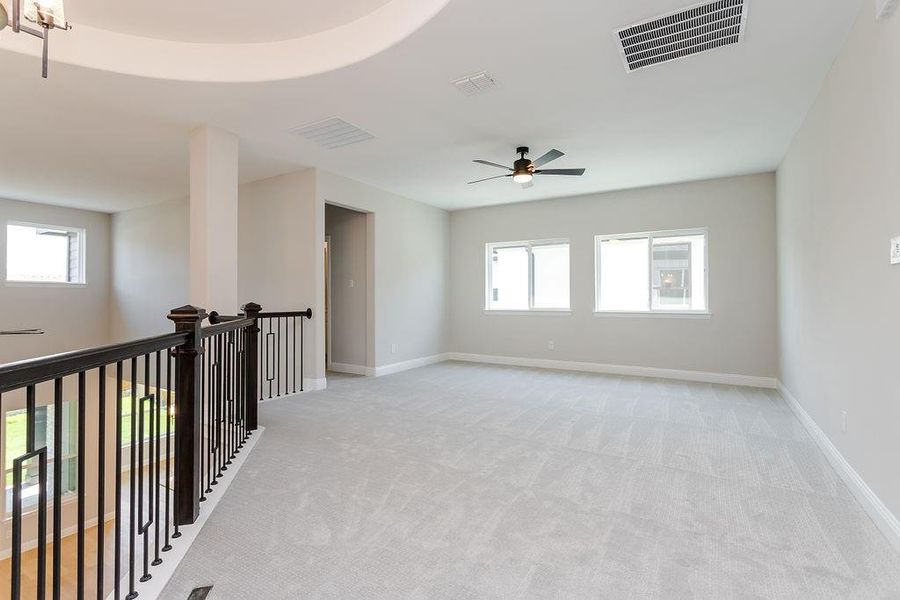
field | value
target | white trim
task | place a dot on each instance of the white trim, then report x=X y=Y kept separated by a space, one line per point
x=410 y=364
x=884 y=519
x=348 y=368
x=312 y=385
x=546 y=312
x=656 y=314
x=529 y=246
x=152 y=589
x=629 y=370
x=650 y=235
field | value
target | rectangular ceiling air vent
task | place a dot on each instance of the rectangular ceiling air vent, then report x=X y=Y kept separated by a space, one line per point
x=683 y=33
x=333 y=133
x=475 y=84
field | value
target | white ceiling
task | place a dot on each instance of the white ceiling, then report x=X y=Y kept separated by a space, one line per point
x=218 y=21
x=108 y=141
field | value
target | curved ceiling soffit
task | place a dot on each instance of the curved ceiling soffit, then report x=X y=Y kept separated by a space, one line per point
x=234 y=63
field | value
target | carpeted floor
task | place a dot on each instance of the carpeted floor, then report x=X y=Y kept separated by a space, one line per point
x=461 y=481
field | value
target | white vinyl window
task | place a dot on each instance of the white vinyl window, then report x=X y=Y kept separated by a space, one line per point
x=14 y=429
x=527 y=276
x=44 y=254
x=661 y=272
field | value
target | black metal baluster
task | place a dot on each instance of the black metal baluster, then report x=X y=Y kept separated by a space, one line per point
x=144 y=526
x=156 y=458
x=278 y=357
x=302 y=373
x=226 y=398
x=220 y=401
x=117 y=559
x=82 y=426
x=261 y=349
x=270 y=336
x=204 y=449
x=294 y=355
x=210 y=479
x=101 y=478
x=133 y=484
x=57 y=486
x=168 y=545
x=16 y=554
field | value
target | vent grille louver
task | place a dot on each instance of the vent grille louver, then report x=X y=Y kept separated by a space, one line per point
x=683 y=34
x=333 y=133
x=476 y=84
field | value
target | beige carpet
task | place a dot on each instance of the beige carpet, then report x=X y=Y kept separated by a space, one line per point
x=461 y=481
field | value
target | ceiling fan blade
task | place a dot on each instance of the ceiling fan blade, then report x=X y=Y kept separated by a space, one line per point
x=576 y=172
x=552 y=155
x=492 y=164
x=489 y=178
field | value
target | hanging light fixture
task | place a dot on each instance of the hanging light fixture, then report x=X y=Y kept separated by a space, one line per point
x=46 y=14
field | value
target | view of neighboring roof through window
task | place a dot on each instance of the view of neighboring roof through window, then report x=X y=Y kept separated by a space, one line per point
x=44 y=254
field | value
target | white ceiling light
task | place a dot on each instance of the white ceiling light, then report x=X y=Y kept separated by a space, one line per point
x=47 y=14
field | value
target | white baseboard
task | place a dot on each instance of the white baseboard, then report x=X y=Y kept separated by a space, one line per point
x=408 y=364
x=654 y=372
x=349 y=369
x=312 y=385
x=152 y=590
x=882 y=516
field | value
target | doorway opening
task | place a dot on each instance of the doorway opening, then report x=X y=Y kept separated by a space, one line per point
x=347 y=293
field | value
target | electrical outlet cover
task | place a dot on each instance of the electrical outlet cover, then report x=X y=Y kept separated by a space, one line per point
x=895 y=251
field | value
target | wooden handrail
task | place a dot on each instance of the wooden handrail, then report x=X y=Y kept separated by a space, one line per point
x=47 y=368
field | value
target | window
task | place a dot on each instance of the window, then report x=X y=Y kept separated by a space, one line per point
x=652 y=272
x=147 y=407
x=15 y=445
x=44 y=254
x=527 y=276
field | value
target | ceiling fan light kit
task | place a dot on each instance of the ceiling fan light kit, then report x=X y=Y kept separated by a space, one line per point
x=46 y=14
x=524 y=170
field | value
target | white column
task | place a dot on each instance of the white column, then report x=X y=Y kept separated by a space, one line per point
x=214 y=220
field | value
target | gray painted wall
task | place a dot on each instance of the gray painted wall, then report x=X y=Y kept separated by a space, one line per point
x=149 y=269
x=73 y=316
x=838 y=207
x=346 y=230
x=739 y=338
x=409 y=282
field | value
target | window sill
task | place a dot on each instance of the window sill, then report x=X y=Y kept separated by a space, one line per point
x=654 y=314
x=44 y=284
x=67 y=498
x=530 y=313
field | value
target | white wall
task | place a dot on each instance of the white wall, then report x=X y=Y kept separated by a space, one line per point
x=348 y=249
x=149 y=269
x=73 y=316
x=838 y=207
x=409 y=283
x=739 y=338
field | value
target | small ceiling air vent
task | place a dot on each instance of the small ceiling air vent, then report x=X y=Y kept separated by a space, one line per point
x=473 y=85
x=333 y=133
x=683 y=33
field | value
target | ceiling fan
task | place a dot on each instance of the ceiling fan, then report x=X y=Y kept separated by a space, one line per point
x=524 y=170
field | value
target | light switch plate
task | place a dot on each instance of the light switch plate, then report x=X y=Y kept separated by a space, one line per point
x=895 y=251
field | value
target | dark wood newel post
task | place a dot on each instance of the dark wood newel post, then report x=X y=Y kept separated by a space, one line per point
x=251 y=355
x=188 y=414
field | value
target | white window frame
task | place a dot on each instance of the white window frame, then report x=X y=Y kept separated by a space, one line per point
x=650 y=235
x=66 y=497
x=528 y=245
x=82 y=258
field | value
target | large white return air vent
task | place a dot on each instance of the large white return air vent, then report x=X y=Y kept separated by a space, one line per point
x=684 y=33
